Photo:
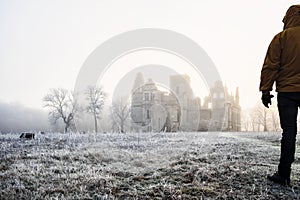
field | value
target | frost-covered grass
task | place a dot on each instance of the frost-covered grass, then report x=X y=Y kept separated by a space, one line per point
x=208 y=165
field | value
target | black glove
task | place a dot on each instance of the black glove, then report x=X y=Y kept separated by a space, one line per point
x=266 y=98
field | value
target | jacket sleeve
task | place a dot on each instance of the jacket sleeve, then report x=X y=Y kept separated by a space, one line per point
x=271 y=65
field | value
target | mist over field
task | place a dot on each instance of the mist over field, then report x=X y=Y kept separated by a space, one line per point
x=15 y=117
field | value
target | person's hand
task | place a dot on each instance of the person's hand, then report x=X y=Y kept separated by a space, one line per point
x=266 y=98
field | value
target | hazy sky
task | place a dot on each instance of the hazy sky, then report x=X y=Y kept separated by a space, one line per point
x=44 y=43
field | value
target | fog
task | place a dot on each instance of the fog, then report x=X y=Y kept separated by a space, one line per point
x=15 y=117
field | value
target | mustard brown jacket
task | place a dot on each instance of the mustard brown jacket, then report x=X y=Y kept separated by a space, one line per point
x=282 y=61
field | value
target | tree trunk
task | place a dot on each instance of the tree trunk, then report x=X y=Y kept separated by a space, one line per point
x=122 y=126
x=96 y=126
x=66 y=128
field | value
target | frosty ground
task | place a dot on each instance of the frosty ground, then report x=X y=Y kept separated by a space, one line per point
x=207 y=165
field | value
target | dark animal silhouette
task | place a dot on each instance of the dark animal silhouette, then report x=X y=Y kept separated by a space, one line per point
x=29 y=136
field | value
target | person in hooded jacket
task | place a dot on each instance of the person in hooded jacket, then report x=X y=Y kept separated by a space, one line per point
x=282 y=66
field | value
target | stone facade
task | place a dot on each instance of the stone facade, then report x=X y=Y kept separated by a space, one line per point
x=154 y=110
x=221 y=110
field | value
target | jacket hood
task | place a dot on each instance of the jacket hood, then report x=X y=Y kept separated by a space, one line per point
x=292 y=17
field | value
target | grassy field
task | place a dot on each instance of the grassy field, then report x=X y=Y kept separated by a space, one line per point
x=208 y=165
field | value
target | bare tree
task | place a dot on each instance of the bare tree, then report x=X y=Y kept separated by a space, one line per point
x=275 y=119
x=246 y=125
x=263 y=118
x=246 y=121
x=253 y=120
x=95 y=98
x=63 y=105
x=120 y=111
x=260 y=117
